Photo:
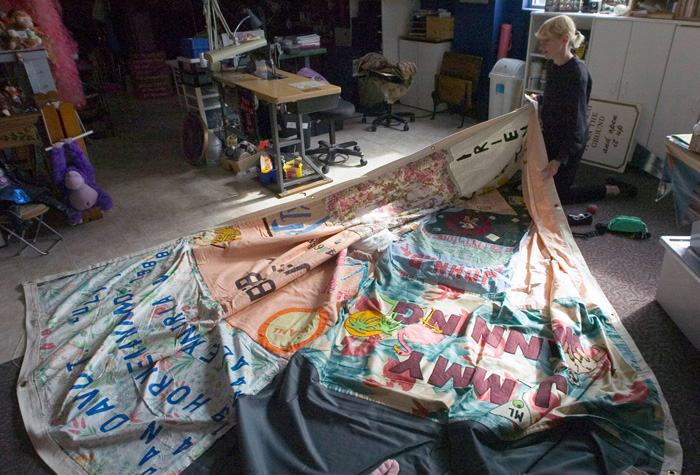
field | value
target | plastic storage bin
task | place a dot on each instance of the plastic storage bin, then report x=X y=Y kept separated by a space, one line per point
x=192 y=47
x=506 y=81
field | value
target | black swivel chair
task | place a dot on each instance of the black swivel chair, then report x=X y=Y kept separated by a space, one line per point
x=330 y=153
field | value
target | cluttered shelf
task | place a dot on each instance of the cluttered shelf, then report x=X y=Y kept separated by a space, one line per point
x=687 y=10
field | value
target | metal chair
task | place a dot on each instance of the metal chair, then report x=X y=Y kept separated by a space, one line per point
x=456 y=83
x=17 y=220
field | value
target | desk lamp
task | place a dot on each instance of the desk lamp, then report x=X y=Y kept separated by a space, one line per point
x=219 y=52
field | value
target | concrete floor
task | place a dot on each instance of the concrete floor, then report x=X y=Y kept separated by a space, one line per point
x=159 y=197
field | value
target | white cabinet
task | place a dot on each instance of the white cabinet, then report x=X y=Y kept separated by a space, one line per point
x=396 y=16
x=678 y=108
x=609 y=41
x=649 y=46
x=642 y=61
x=428 y=57
x=627 y=63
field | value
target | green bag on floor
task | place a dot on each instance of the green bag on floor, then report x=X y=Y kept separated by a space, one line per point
x=627 y=225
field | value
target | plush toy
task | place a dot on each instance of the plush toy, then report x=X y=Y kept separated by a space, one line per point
x=72 y=173
x=5 y=106
x=21 y=33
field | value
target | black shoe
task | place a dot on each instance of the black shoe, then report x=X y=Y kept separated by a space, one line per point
x=626 y=190
x=579 y=219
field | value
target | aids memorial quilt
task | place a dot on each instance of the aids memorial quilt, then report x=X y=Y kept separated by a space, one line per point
x=434 y=315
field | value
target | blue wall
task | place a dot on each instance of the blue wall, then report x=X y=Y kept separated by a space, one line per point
x=477 y=31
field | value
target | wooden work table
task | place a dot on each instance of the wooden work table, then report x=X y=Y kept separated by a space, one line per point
x=276 y=91
x=298 y=101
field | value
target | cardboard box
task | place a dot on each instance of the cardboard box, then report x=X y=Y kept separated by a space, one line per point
x=439 y=29
x=243 y=162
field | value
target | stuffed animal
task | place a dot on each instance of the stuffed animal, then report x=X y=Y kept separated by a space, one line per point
x=72 y=173
x=21 y=33
x=5 y=106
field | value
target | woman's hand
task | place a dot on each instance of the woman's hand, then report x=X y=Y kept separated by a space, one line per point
x=551 y=169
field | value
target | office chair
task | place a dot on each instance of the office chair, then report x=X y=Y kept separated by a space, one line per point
x=330 y=153
x=383 y=82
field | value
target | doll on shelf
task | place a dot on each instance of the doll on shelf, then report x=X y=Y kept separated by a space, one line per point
x=20 y=33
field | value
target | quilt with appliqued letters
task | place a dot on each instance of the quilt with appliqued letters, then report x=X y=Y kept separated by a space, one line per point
x=434 y=316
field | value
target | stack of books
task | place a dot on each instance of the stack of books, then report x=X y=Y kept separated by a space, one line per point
x=688 y=10
x=308 y=41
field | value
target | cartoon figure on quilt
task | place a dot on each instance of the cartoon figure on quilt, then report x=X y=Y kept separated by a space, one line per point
x=423 y=333
x=75 y=177
x=581 y=361
x=592 y=361
x=368 y=323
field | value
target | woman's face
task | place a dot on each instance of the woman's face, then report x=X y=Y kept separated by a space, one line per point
x=554 y=46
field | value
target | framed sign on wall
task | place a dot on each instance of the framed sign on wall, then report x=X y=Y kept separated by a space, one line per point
x=612 y=126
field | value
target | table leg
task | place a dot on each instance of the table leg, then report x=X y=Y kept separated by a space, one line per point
x=302 y=147
x=307 y=61
x=278 y=150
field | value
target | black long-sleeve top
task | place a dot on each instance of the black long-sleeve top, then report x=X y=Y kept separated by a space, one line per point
x=564 y=106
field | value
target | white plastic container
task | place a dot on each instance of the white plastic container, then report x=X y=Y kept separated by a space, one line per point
x=506 y=81
x=679 y=285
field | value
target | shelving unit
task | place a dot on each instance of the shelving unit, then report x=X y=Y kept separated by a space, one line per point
x=646 y=62
x=688 y=10
x=31 y=66
x=535 y=59
x=419 y=26
x=203 y=99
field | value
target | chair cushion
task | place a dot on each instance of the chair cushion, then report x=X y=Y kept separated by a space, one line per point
x=32 y=210
x=343 y=110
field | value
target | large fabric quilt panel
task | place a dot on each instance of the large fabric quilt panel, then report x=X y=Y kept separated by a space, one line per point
x=445 y=289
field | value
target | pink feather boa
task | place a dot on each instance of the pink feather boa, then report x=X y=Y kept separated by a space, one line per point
x=47 y=18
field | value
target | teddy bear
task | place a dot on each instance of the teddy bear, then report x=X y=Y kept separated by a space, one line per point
x=72 y=173
x=5 y=106
x=21 y=33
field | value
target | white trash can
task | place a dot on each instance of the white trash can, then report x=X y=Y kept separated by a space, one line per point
x=506 y=80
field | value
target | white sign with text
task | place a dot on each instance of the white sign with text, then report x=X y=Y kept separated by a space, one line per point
x=612 y=126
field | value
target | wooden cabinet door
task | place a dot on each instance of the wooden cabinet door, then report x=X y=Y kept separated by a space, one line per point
x=649 y=45
x=678 y=108
x=609 y=40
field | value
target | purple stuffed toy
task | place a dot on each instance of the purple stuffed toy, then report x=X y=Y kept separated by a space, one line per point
x=75 y=177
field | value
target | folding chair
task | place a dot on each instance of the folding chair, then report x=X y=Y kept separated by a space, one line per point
x=16 y=222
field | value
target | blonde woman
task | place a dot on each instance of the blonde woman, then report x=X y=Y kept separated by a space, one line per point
x=563 y=108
